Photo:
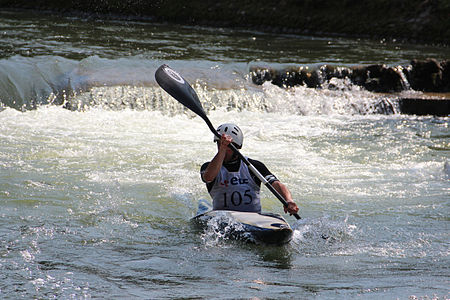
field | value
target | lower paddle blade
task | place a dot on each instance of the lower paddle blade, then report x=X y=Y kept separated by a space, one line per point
x=174 y=84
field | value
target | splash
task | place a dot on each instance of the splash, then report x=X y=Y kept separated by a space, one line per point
x=319 y=234
x=222 y=228
x=267 y=98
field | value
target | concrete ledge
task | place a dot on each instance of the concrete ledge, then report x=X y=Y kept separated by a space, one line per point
x=421 y=106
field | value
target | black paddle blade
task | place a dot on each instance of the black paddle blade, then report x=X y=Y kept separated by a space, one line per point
x=174 y=84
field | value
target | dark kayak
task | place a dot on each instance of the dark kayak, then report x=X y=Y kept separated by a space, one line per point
x=267 y=228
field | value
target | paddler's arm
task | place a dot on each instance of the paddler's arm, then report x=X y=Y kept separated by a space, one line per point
x=213 y=168
x=292 y=207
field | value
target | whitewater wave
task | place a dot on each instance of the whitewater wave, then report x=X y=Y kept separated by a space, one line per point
x=128 y=83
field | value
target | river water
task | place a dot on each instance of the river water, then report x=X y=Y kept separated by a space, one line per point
x=96 y=199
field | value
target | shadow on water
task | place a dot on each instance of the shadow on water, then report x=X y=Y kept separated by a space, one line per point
x=279 y=257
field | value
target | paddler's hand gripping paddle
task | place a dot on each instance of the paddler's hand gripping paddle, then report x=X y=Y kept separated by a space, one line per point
x=174 y=84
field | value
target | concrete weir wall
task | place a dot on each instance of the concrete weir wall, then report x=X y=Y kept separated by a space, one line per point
x=419 y=106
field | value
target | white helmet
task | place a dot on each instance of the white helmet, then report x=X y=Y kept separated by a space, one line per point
x=232 y=130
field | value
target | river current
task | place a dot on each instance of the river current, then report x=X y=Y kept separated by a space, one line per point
x=99 y=168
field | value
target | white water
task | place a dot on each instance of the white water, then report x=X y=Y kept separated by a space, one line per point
x=100 y=180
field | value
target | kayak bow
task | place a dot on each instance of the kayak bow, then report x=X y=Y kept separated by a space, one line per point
x=266 y=228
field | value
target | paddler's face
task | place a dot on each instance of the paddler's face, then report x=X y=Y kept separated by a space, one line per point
x=229 y=155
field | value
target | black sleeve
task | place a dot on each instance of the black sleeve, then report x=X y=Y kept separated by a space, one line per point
x=263 y=170
x=202 y=170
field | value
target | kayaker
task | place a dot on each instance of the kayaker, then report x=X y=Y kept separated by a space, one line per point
x=230 y=183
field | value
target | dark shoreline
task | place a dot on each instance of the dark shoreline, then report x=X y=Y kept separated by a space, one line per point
x=416 y=21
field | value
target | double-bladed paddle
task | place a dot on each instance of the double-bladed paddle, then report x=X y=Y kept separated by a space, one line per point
x=174 y=84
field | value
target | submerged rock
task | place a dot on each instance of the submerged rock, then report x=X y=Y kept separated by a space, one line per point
x=384 y=79
x=426 y=75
